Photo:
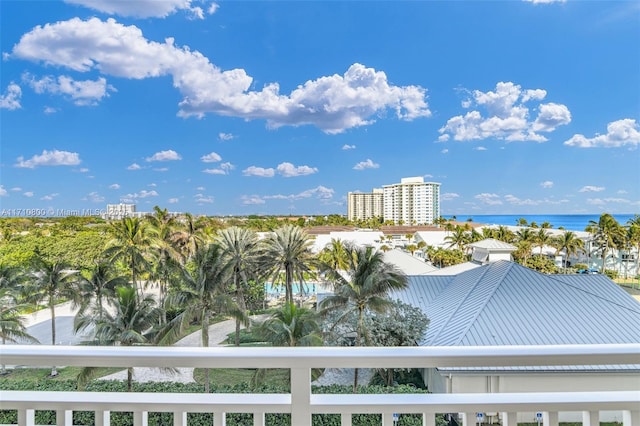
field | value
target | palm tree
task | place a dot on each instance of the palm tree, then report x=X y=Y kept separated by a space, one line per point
x=165 y=253
x=570 y=244
x=287 y=249
x=367 y=286
x=292 y=326
x=12 y=327
x=240 y=250
x=526 y=237
x=130 y=244
x=607 y=234
x=458 y=238
x=202 y=294
x=334 y=255
x=543 y=238
x=191 y=237
x=98 y=287
x=633 y=236
x=51 y=281
x=130 y=324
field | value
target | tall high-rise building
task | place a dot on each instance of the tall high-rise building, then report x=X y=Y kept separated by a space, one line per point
x=365 y=205
x=412 y=202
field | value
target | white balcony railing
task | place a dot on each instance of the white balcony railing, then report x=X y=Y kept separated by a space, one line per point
x=301 y=403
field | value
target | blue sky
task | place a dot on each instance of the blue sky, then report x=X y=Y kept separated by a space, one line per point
x=237 y=107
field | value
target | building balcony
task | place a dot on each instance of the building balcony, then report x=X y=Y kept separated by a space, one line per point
x=301 y=403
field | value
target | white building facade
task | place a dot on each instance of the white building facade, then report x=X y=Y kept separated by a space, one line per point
x=412 y=202
x=365 y=205
x=119 y=211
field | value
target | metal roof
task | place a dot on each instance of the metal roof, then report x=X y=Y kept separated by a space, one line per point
x=407 y=263
x=491 y=244
x=504 y=303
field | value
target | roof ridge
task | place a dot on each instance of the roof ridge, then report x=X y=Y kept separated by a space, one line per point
x=509 y=266
x=454 y=311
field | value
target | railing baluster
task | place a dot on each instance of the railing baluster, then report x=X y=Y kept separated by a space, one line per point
x=301 y=396
x=469 y=419
x=258 y=419
x=64 y=417
x=590 y=418
x=179 y=418
x=550 y=418
x=428 y=419
x=631 y=418
x=103 y=418
x=219 y=419
x=140 y=418
x=509 y=419
x=387 y=419
x=26 y=417
x=345 y=419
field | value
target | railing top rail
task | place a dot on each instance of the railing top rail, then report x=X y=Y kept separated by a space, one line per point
x=317 y=357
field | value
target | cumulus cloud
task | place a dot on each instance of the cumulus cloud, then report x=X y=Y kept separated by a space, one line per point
x=50 y=158
x=259 y=171
x=505 y=116
x=591 y=188
x=225 y=136
x=224 y=169
x=490 y=199
x=546 y=184
x=320 y=192
x=480 y=148
x=201 y=199
x=332 y=103
x=28 y=194
x=367 y=164
x=144 y=8
x=172 y=200
x=444 y=151
x=251 y=200
x=448 y=196
x=607 y=201
x=211 y=158
x=168 y=155
x=3 y=192
x=346 y=147
x=619 y=133
x=289 y=170
x=11 y=98
x=137 y=195
x=50 y=110
x=134 y=166
x=114 y=186
x=82 y=93
x=94 y=197
x=512 y=199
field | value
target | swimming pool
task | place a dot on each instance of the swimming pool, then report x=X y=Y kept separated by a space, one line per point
x=308 y=288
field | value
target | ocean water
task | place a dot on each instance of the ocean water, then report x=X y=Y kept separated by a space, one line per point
x=570 y=222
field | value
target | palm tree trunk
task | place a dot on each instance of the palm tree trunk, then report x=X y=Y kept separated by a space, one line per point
x=3 y=368
x=205 y=344
x=129 y=379
x=358 y=343
x=289 y=284
x=52 y=307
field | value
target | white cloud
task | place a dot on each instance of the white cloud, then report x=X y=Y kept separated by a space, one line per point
x=224 y=169
x=49 y=197
x=83 y=170
x=214 y=171
x=506 y=116
x=546 y=184
x=94 y=197
x=512 y=199
x=3 y=192
x=444 y=151
x=367 y=164
x=225 y=136
x=213 y=8
x=480 y=148
x=251 y=200
x=619 y=133
x=490 y=199
x=172 y=200
x=346 y=147
x=319 y=192
x=134 y=166
x=142 y=194
x=332 y=103
x=201 y=198
x=160 y=169
x=607 y=201
x=50 y=158
x=211 y=158
x=168 y=155
x=114 y=186
x=200 y=188
x=142 y=8
x=82 y=93
x=16 y=189
x=152 y=185
x=28 y=194
x=289 y=170
x=50 y=110
x=11 y=99
x=448 y=196
x=591 y=188
x=259 y=171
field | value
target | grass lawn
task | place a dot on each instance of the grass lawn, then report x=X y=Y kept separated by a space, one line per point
x=243 y=377
x=34 y=375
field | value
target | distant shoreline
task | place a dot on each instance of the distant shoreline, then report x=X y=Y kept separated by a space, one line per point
x=570 y=222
